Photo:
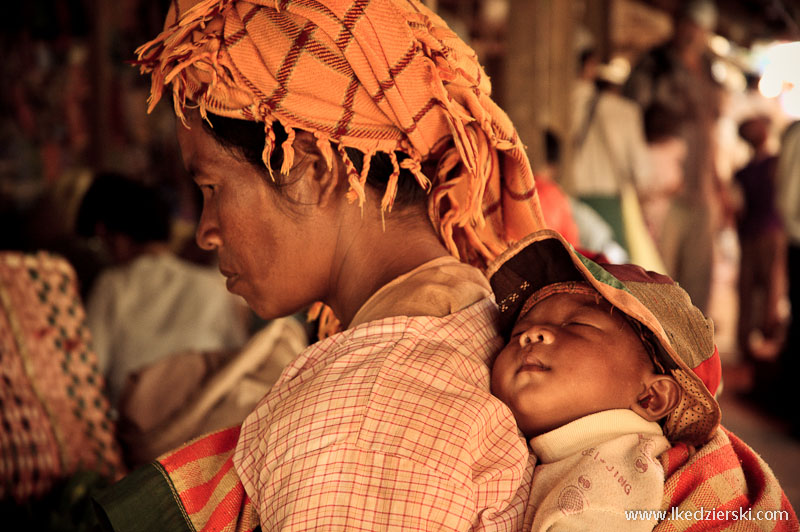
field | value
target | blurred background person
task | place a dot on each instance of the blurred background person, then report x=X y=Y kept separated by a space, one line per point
x=556 y=204
x=762 y=243
x=579 y=223
x=180 y=305
x=678 y=75
x=788 y=194
x=667 y=151
x=610 y=152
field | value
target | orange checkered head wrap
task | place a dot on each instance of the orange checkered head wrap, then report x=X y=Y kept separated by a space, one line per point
x=375 y=75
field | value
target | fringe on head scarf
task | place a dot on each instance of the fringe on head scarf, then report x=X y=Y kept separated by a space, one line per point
x=375 y=75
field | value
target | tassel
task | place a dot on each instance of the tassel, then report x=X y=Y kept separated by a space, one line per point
x=414 y=166
x=391 y=186
x=324 y=146
x=180 y=46
x=356 y=190
x=365 y=168
x=269 y=139
x=288 y=150
x=328 y=322
x=314 y=311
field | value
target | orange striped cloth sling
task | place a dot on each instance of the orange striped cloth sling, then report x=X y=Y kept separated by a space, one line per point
x=192 y=488
x=724 y=485
x=195 y=488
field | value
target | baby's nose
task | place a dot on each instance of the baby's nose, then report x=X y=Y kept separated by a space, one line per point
x=537 y=334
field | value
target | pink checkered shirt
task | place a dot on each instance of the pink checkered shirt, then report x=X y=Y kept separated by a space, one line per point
x=389 y=425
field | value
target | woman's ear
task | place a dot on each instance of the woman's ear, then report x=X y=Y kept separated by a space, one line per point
x=318 y=171
x=660 y=397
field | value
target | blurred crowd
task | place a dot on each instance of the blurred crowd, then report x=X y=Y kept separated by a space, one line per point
x=687 y=173
x=668 y=167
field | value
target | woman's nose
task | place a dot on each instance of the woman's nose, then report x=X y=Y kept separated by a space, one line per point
x=207 y=234
x=537 y=334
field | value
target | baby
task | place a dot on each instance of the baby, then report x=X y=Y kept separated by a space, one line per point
x=606 y=367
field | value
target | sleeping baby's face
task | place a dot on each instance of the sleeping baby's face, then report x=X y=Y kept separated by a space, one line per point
x=571 y=355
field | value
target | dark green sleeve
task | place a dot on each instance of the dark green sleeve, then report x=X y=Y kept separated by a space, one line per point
x=145 y=500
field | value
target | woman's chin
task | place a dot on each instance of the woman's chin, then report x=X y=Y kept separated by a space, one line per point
x=264 y=310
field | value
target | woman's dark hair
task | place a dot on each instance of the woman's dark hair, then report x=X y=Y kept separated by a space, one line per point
x=246 y=139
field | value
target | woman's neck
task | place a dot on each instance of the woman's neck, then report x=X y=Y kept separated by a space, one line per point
x=371 y=257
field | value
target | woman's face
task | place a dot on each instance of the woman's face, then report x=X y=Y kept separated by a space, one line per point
x=274 y=253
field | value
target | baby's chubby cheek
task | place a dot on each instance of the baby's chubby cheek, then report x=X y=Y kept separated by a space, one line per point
x=500 y=376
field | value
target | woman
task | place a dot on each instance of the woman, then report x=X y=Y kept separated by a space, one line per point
x=349 y=153
x=355 y=168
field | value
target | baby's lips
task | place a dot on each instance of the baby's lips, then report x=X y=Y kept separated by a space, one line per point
x=532 y=361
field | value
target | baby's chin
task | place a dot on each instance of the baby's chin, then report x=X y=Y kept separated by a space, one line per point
x=532 y=428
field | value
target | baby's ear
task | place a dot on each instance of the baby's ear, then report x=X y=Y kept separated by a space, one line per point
x=660 y=397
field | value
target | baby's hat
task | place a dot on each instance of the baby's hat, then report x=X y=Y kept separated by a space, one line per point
x=543 y=263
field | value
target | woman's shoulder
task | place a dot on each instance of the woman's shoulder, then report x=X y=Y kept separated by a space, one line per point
x=459 y=345
x=471 y=325
x=437 y=288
